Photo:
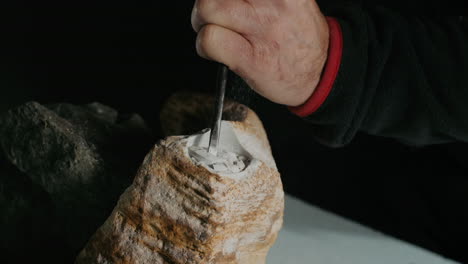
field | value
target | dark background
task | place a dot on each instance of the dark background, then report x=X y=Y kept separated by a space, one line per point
x=132 y=55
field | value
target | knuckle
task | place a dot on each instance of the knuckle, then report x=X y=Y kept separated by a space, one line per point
x=203 y=7
x=194 y=20
x=210 y=9
x=205 y=40
x=202 y=13
x=208 y=34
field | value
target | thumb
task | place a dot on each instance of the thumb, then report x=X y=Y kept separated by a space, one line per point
x=225 y=46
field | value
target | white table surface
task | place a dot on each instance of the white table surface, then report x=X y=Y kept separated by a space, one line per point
x=311 y=235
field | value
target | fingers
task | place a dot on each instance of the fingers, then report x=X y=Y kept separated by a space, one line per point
x=231 y=14
x=225 y=46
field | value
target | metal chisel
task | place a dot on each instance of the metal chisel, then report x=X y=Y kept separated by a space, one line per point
x=219 y=103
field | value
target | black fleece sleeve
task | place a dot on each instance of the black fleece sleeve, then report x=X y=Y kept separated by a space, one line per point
x=401 y=76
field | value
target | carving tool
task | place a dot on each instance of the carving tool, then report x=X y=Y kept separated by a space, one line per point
x=219 y=103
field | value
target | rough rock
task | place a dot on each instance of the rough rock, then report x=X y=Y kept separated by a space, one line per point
x=186 y=113
x=77 y=160
x=25 y=220
x=179 y=212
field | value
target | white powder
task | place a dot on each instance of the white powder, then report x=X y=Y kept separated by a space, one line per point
x=224 y=162
x=232 y=160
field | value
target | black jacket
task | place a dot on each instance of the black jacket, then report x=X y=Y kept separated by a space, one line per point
x=403 y=73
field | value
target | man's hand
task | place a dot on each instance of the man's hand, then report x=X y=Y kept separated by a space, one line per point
x=279 y=47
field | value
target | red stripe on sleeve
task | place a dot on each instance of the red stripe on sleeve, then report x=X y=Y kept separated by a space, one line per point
x=332 y=66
